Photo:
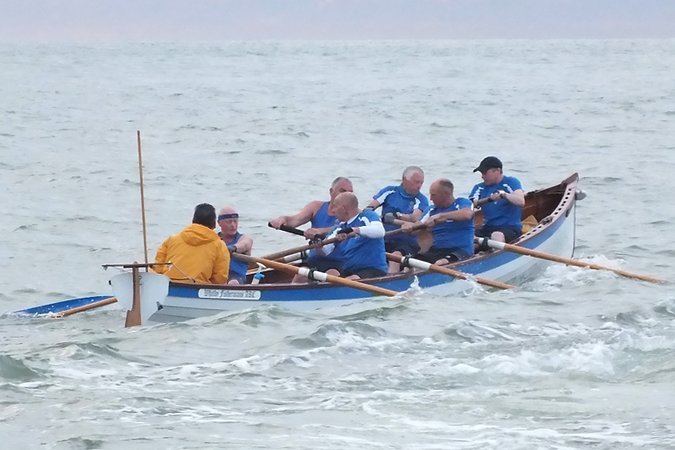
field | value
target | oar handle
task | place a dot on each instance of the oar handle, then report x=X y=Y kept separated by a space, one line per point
x=316 y=275
x=398 y=222
x=482 y=201
x=561 y=259
x=388 y=218
x=423 y=265
x=288 y=229
x=312 y=245
x=300 y=249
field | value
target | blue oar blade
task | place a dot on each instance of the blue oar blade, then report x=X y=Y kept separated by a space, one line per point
x=60 y=307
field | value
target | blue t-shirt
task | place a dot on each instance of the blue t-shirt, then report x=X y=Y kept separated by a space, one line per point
x=453 y=234
x=358 y=252
x=237 y=268
x=395 y=199
x=323 y=262
x=501 y=213
x=322 y=219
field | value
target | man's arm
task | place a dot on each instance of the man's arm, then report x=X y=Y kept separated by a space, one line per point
x=421 y=206
x=414 y=216
x=459 y=215
x=380 y=197
x=305 y=215
x=371 y=230
x=244 y=245
x=314 y=233
x=516 y=197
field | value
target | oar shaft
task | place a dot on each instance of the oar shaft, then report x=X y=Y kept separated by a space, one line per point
x=303 y=248
x=561 y=259
x=319 y=276
x=447 y=271
x=312 y=245
x=288 y=229
x=98 y=304
x=399 y=222
x=300 y=249
x=254 y=268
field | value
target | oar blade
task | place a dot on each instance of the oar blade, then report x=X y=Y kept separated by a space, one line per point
x=58 y=308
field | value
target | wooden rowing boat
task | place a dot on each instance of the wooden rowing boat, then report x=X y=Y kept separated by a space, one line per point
x=552 y=208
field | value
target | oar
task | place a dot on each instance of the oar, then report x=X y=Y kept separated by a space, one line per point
x=299 y=249
x=69 y=307
x=284 y=255
x=315 y=275
x=423 y=265
x=104 y=302
x=569 y=261
x=299 y=232
x=288 y=229
x=303 y=248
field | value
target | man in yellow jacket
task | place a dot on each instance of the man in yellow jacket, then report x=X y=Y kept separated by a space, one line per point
x=197 y=253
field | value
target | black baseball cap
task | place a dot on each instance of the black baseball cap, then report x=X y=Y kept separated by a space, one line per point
x=491 y=162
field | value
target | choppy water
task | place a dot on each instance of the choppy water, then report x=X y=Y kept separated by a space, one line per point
x=573 y=359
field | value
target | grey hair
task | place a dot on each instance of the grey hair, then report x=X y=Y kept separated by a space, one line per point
x=338 y=180
x=412 y=170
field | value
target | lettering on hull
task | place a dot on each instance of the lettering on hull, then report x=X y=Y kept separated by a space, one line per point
x=229 y=294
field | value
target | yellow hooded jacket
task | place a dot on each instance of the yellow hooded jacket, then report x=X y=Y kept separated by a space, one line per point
x=197 y=253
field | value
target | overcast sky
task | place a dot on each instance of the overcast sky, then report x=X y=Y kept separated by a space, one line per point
x=186 y=20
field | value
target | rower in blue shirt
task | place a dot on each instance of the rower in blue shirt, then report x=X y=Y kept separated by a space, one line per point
x=406 y=203
x=361 y=240
x=228 y=220
x=322 y=219
x=501 y=198
x=450 y=221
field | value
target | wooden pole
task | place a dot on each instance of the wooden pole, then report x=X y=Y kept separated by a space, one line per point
x=98 y=304
x=569 y=261
x=140 y=175
x=316 y=275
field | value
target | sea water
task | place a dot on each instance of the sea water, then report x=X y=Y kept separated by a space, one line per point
x=571 y=359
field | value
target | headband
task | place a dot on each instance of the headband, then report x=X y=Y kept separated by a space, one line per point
x=228 y=216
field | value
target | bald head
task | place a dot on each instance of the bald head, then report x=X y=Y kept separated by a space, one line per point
x=346 y=206
x=228 y=220
x=227 y=209
x=441 y=192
